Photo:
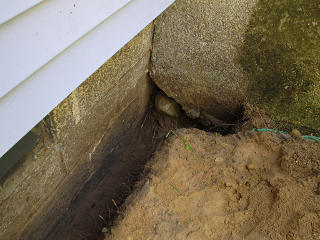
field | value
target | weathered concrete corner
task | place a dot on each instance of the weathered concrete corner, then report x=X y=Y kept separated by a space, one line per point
x=78 y=135
x=195 y=52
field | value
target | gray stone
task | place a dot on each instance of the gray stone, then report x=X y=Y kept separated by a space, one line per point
x=167 y=105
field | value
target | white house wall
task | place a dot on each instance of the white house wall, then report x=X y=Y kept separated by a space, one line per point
x=50 y=75
x=32 y=39
x=11 y=8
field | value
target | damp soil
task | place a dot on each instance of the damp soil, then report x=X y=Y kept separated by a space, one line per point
x=98 y=202
x=249 y=185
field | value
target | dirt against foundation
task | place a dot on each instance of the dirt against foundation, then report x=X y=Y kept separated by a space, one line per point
x=248 y=186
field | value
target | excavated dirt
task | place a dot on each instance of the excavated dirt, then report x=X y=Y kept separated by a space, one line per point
x=252 y=186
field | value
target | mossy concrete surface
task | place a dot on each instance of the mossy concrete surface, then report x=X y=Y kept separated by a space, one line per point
x=282 y=56
x=215 y=55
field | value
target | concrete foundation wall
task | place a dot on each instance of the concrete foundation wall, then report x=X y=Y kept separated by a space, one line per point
x=212 y=56
x=72 y=142
x=195 y=51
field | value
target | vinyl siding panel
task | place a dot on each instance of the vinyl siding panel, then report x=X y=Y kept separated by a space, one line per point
x=37 y=73
x=12 y=8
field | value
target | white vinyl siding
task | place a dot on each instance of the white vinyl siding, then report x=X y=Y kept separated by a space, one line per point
x=34 y=38
x=38 y=72
x=12 y=8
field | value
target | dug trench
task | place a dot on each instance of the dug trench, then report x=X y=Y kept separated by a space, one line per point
x=203 y=181
x=99 y=202
x=248 y=185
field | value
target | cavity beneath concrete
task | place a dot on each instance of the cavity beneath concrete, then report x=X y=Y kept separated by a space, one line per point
x=168 y=108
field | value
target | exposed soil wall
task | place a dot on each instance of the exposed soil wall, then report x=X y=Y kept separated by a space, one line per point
x=98 y=202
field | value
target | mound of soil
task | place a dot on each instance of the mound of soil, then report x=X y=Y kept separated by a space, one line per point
x=252 y=186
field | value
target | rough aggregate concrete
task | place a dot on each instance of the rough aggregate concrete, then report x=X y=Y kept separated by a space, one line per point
x=214 y=55
x=195 y=54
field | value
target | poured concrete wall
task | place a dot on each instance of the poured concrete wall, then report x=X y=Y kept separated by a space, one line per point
x=195 y=51
x=72 y=141
x=214 y=55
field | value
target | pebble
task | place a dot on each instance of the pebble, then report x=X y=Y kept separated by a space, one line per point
x=251 y=166
x=296 y=134
x=167 y=105
x=219 y=159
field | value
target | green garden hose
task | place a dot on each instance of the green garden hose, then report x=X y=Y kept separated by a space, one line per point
x=282 y=132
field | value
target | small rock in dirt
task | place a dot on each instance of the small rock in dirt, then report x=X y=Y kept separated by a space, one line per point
x=219 y=159
x=167 y=105
x=296 y=134
x=251 y=166
x=229 y=183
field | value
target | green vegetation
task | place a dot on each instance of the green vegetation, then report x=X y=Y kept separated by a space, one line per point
x=186 y=143
x=170 y=184
x=105 y=230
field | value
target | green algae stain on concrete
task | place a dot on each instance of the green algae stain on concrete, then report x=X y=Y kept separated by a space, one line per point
x=281 y=54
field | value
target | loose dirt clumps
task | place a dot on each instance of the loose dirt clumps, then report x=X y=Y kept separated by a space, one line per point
x=252 y=186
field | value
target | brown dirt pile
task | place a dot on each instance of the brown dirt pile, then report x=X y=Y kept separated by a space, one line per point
x=248 y=186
